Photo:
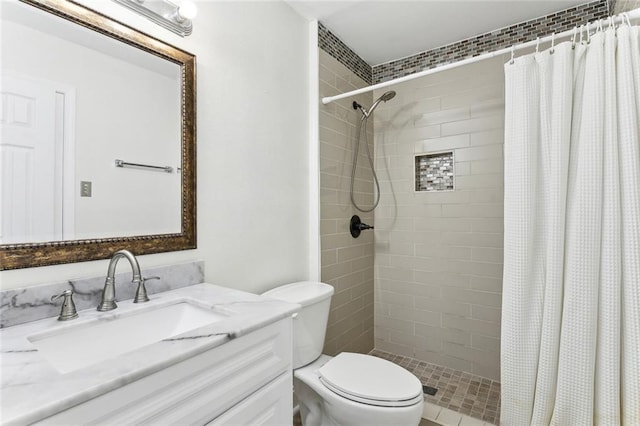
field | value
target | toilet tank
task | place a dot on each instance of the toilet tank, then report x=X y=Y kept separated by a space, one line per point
x=310 y=324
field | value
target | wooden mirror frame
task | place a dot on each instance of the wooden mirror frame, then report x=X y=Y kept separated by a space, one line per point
x=28 y=255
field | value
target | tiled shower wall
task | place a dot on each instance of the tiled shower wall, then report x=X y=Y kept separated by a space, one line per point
x=347 y=263
x=438 y=261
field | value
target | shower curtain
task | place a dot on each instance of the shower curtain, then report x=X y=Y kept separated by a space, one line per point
x=570 y=349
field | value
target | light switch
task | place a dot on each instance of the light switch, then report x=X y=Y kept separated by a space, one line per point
x=85 y=188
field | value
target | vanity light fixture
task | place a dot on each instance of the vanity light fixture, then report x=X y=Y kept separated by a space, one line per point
x=172 y=16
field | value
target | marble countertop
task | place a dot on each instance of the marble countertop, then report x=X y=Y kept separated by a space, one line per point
x=32 y=389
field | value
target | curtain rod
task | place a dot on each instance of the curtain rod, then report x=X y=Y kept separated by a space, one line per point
x=633 y=14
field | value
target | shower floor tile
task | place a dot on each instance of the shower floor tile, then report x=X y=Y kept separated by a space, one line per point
x=465 y=393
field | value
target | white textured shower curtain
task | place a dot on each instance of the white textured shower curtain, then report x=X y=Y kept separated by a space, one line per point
x=571 y=296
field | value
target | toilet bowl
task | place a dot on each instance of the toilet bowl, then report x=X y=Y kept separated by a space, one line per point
x=348 y=389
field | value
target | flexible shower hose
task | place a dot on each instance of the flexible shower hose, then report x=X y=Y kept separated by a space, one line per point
x=361 y=124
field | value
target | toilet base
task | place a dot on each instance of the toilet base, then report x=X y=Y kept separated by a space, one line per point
x=319 y=406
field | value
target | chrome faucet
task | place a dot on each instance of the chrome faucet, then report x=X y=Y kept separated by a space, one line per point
x=108 y=301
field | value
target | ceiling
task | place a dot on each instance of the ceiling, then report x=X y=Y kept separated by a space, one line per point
x=381 y=31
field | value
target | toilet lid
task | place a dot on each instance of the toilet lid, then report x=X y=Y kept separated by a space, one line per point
x=371 y=380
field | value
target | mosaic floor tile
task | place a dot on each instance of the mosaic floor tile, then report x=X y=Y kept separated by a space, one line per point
x=465 y=393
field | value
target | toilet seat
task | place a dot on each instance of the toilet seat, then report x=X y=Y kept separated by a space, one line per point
x=370 y=380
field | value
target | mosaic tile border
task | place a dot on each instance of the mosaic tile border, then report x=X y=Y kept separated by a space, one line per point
x=462 y=392
x=335 y=47
x=494 y=40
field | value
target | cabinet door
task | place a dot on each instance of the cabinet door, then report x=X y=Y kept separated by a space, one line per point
x=271 y=405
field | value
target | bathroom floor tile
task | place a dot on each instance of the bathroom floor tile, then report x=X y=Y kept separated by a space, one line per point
x=430 y=411
x=465 y=393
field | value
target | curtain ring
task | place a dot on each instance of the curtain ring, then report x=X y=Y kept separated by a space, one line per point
x=573 y=38
x=588 y=34
x=553 y=42
x=600 y=25
x=513 y=53
x=628 y=18
x=538 y=45
x=581 y=32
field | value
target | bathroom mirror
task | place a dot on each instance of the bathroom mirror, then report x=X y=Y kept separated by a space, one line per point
x=97 y=151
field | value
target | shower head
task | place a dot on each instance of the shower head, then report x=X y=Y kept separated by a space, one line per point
x=386 y=96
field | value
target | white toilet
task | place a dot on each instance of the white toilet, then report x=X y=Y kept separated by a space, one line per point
x=349 y=389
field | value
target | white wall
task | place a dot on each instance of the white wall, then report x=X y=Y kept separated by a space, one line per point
x=252 y=115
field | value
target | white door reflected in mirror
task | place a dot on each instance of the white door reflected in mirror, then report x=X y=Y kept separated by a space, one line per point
x=74 y=101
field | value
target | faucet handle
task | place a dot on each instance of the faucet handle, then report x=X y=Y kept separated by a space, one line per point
x=141 y=292
x=68 y=310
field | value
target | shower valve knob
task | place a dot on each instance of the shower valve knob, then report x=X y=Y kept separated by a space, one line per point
x=357 y=226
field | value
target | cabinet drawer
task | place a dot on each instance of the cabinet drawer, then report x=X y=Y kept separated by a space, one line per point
x=196 y=390
x=271 y=405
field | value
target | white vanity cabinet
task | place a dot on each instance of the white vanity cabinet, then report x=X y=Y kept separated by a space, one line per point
x=245 y=381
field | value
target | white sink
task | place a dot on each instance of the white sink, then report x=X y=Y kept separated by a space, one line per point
x=93 y=342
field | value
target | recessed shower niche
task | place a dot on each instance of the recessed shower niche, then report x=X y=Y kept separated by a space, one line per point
x=434 y=172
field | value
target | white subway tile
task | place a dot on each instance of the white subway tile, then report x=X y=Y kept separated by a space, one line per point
x=473 y=239
x=396 y=298
x=470 y=325
x=473 y=125
x=487 y=195
x=397 y=274
x=490 y=107
x=442 y=224
x=442 y=197
x=485 y=343
x=349 y=253
x=442 y=279
x=475 y=181
x=442 y=305
x=414 y=134
x=486 y=313
x=442 y=116
x=438 y=251
x=362 y=263
x=495 y=225
x=474 y=297
x=411 y=288
x=444 y=334
x=441 y=144
x=389 y=323
x=476 y=153
x=328 y=257
x=475 y=95
x=395 y=348
x=329 y=272
x=462 y=168
x=487 y=137
x=488 y=254
x=486 y=284
x=410 y=314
